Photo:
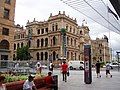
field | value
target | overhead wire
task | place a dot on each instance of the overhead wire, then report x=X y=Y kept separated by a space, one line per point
x=76 y=8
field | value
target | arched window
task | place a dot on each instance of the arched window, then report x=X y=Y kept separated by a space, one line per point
x=100 y=51
x=38 y=42
x=37 y=55
x=46 y=55
x=41 y=55
x=67 y=27
x=80 y=32
x=22 y=44
x=42 y=42
x=68 y=55
x=14 y=46
x=18 y=45
x=67 y=40
x=29 y=43
x=71 y=41
x=53 y=27
x=71 y=56
x=54 y=40
x=54 y=55
x=75 y=42
x=56 y=26
x=46 y=42
x=75 y=56
x=70 y=29
x=4 y=44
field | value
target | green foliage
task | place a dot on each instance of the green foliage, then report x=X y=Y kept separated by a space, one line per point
x=63 y=30
x=9 y=78
x=23 y=53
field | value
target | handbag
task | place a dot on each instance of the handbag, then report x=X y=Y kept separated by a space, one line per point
x=68 y=73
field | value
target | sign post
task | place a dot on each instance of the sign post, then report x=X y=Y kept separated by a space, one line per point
x=87 y=64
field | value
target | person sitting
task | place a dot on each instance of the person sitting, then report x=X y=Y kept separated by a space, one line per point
x=49 y=81
x=29 y=84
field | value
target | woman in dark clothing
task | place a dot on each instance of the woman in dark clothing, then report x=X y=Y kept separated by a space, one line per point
x=98 y=69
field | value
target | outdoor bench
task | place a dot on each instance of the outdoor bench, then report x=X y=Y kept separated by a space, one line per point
x=39 y=83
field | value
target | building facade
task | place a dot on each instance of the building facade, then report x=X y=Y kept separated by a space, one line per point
x=47 y=43
x=100 y=50
x=7 y=12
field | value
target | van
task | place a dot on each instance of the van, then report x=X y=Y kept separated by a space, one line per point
x=76 y=64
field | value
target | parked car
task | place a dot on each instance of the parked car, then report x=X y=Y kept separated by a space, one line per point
x=76 y=64
x=113 y=65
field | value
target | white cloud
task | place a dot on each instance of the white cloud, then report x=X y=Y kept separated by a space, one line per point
x=41 y=9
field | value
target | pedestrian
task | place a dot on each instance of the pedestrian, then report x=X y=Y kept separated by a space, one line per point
x=108 y=70
x=38 y=68
x=49 y=81
x=64 y=69
x=2 y=86
x=29 y=84
x=51 y=66
x=97 y=65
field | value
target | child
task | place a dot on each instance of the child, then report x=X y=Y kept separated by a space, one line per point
x=108 y=70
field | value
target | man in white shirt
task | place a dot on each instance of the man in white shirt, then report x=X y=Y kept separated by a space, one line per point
x=29 y=84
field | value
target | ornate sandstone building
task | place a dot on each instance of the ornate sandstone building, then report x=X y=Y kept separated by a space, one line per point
x=7 y=12
x=47 y=43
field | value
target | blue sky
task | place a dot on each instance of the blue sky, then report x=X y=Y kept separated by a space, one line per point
x=41 y=9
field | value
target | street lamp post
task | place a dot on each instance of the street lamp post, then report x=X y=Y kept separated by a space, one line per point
x=118 y=59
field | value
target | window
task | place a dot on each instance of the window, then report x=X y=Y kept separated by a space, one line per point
x=56 y=27
x=46 y=29
x=6 y=13
x=46 y=42
x=7 y=1
x=66 y=27
x=41 y=55
x=53 y=27
x=38 y=43
x=22 y=44
x=38 y=58
x=38 y=31
x=42 y=31
x=5 y=31
x=42 y=42
x=14 y=46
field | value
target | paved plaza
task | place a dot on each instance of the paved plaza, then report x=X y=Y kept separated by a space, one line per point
x=76 y=81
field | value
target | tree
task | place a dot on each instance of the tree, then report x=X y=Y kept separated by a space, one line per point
x=23 y=53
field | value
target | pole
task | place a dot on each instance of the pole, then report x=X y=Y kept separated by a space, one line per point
x=118 y=59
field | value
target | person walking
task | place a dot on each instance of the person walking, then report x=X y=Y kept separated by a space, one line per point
x=64 y=69
x=38 y=68
x=51 y=66
x=97 y=65
x=108 y=70
x=29 y=84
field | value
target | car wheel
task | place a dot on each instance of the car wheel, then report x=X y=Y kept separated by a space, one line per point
x=81 y=68
x=71 y=68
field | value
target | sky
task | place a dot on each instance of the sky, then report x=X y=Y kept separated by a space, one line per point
x=41 y=9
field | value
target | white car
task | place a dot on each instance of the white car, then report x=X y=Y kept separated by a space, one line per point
x=76 y=64
x=113 y=65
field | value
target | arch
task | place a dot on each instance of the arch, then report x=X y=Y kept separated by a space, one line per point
x=37 y=55
x=41 y=55
x=38 y=42
x=75 y=42
x=46 y=42
x=46 y=55
x=54 y=55
x=4 y=44
x=42 y=42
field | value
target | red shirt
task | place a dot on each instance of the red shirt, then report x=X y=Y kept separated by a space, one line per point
x=49 y=80
x=64 y=67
